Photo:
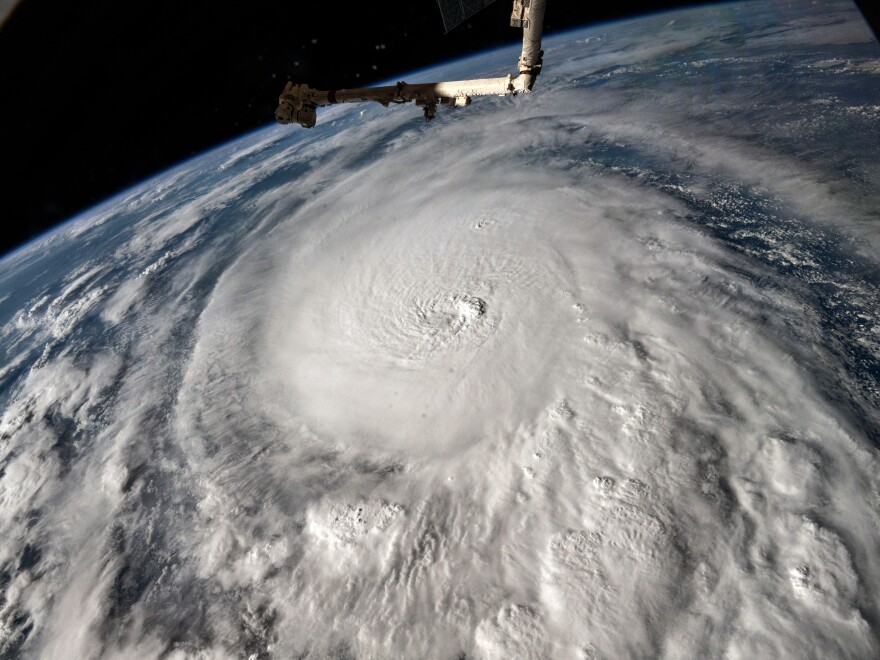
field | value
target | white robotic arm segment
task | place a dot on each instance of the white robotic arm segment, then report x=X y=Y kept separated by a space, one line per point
x=533 y=29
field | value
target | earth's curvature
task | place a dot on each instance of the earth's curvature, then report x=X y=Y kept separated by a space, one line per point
x=588 y=373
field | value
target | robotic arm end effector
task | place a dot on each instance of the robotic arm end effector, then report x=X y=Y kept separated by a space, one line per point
x=295 y=105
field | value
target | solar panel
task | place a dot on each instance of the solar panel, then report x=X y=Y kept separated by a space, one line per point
x=458 y=11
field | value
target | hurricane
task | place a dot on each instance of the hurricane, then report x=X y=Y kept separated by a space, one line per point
x=592 y=372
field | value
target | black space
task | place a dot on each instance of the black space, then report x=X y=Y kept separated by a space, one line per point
x=96 y=96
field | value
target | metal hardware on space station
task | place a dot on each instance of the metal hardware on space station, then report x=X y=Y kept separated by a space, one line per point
x=299 y=103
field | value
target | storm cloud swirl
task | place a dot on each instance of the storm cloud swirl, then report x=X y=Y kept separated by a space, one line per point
x=589 y=373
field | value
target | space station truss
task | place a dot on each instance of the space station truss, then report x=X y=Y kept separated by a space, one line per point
x=457 y=11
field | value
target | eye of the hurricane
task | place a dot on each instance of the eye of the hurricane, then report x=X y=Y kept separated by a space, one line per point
x=452 y=319
x=451 y=314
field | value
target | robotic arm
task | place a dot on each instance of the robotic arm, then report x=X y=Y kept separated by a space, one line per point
x=299 y=103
